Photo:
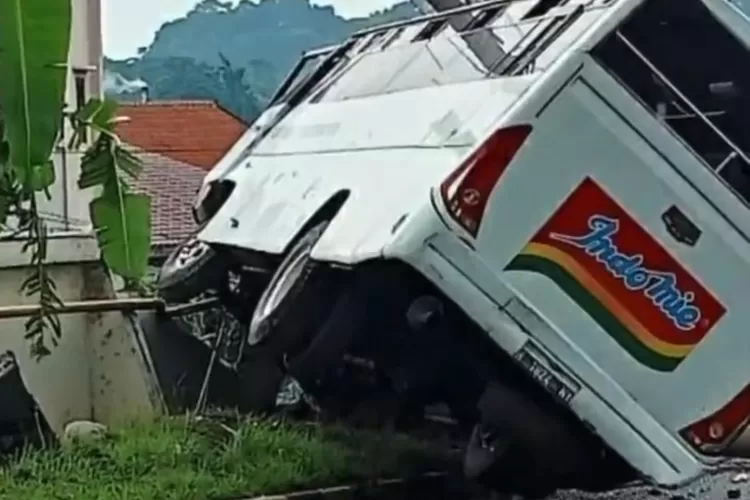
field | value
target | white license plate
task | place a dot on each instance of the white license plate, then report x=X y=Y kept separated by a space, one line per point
x=544 y=376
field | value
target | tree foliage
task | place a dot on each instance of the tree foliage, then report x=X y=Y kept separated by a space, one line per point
x=34 y=46
x=236 y=53
x=183 y=78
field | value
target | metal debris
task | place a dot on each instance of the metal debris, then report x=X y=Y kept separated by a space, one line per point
x=742 y=477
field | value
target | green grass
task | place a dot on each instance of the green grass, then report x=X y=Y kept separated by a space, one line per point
x=170 y=459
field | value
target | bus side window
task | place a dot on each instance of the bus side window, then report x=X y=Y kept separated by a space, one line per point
x=683 y=65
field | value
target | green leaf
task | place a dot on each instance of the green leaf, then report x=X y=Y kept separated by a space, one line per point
x=4 y=146
x=99 y=115
x=124 y=232
x=97 y=167
x=4 y=152
x=40 y=176
x=129 y=163
x=5 y=203
x=88 y=110
x=34 y=43
x=105 y=115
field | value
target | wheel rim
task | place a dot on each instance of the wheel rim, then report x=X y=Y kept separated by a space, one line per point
x=284 y=282
x=190 y=252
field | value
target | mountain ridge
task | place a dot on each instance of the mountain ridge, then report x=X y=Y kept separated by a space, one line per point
x=235 y=54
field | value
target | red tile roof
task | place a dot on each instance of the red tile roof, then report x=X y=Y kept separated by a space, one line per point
x=194 y=132
x=172 y=186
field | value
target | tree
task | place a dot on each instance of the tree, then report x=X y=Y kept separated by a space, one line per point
x=34 y=46
x=181 y=78
x=264 y=38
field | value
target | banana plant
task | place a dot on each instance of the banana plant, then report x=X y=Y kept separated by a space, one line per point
x=34 y=48
x=121 y=218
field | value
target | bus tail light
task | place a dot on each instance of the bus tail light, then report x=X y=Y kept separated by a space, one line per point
x=467 y=190
x=716 y=432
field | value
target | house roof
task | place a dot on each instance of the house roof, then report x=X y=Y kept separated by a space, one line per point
x=172 y=186
x=195 y=132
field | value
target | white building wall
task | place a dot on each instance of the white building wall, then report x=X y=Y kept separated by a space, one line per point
x=68 y=210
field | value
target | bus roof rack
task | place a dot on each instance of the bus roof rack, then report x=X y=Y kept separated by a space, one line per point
x=437 y=16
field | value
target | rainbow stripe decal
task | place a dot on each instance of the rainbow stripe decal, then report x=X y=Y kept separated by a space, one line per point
x=622 y=277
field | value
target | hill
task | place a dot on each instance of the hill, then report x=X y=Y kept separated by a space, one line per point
x=236 y=55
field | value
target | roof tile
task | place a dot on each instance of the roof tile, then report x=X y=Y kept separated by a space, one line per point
x=172 y=186
x=194 y=132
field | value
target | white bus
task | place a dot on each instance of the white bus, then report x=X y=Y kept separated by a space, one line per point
x=533 y=211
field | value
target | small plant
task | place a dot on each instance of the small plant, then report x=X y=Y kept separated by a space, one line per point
x=34 y=46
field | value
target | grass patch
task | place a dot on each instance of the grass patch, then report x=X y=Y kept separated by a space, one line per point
x=180 y=459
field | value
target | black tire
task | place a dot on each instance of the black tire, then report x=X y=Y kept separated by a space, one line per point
x=260 y=378
x=346 y=312
x=281 y=315
x=192 y=269
x=356 y=317
x=344 y=320
x=535 y=453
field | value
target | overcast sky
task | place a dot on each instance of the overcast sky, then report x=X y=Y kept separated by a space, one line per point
x=129 y=24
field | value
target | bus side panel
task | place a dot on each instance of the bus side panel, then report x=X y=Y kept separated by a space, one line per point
x=577 y=221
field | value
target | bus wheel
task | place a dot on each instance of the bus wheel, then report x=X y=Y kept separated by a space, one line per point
x=282 y=316
x=190 y=270
x=519 y=448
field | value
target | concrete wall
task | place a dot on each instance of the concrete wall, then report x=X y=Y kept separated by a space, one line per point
x=100 y=369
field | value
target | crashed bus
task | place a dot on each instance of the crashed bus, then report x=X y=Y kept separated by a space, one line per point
x=534 y=212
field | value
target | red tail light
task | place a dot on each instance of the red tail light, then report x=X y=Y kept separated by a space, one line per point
x=467 y=190
x=716 y=432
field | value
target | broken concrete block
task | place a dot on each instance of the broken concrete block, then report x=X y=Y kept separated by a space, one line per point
x=84 y=431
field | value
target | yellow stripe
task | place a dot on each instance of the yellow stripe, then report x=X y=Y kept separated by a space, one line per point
x=609 y=301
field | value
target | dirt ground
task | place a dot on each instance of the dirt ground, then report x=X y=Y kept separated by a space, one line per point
x=730 y=481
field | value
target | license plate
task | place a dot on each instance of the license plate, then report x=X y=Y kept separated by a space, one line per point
x=544 y=376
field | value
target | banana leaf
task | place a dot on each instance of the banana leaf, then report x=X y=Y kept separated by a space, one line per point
x=121 y=219
x=34 y=45
x=123 y=227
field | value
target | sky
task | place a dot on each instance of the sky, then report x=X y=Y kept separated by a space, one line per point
x=126 y=27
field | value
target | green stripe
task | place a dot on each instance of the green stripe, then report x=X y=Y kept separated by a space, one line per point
x=589 y=303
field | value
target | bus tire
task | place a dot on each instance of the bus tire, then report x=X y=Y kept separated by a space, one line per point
x=534 y=453
x=291 y=296
x=190 y=270
x=260 y=378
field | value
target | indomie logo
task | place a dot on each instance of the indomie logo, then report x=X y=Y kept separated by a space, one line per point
x=658 y=286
